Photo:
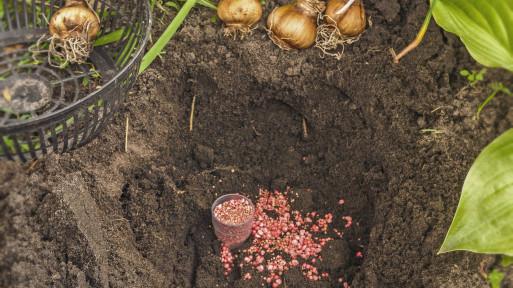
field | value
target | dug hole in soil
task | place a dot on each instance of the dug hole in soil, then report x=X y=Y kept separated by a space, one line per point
x=102 y=217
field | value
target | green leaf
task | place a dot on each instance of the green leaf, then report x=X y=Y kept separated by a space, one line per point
x=464 y=73
x=480 y=75
x=2 y=10
x=482 y=222
x=484 y=26
x=208 y=4
x=111 y=37
x=495 y=278
x=213 y=19
x=505 y=90
x=173 y=4
x=506 y=260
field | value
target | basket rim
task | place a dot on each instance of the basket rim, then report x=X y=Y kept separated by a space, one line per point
x=57 y=115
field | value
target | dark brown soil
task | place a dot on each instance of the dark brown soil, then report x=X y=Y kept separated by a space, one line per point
x=102 y=217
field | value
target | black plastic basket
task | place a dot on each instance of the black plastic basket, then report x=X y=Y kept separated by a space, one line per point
x=53 y=110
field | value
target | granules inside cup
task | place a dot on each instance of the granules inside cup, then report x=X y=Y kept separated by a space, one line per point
x=232 y=217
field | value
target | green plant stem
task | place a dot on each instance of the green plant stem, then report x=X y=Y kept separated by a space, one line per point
x=420 y=35
x=496 y=89
x=166 y=36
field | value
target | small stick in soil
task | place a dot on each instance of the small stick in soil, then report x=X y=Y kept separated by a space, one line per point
x=31 y=166
x=126 y=135
x=305 y=132
x=192 y=112
x=256 y=132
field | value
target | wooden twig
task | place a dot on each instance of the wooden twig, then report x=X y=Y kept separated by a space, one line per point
x=126 y=135
x=192 y=113
x=31 y=166
x=305 y=132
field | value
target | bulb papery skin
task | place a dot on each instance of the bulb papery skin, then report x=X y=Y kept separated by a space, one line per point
x=351 y=23
x=236 y=13
x=295 y=25
x=72 y=21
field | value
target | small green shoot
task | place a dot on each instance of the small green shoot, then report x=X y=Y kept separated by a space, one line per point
x=495 y=278
x=432 y=130
x=473 y=77
x=214 y=19
x=497 y=87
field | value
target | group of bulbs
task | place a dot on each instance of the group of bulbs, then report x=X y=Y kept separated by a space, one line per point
x=294 y=26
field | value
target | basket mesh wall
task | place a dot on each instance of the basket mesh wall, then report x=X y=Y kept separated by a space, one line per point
x=45 y=109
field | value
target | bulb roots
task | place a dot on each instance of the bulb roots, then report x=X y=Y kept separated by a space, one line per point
x=329 y=37
x=238 y=31
x=73 y=49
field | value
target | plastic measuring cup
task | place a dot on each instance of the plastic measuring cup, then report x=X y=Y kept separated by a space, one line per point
x=232 y=235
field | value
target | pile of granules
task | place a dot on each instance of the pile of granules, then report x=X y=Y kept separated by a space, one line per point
x=283 y=239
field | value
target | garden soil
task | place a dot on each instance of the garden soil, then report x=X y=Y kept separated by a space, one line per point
x=354 y=129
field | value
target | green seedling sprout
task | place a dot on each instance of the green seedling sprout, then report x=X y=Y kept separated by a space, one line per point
x=497 y=87
x=495 y=278
x=473 y=77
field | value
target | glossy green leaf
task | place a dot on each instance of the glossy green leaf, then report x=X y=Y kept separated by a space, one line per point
x=484 y=26
x=483 y=221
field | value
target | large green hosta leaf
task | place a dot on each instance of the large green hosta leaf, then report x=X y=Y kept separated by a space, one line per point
x=485 y=26
x=484 y=218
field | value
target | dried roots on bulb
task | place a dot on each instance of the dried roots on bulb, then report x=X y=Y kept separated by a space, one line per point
x=238 y=31
x=294 y=26
x=239 y=16
x=72 y=30
x=340 y=28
